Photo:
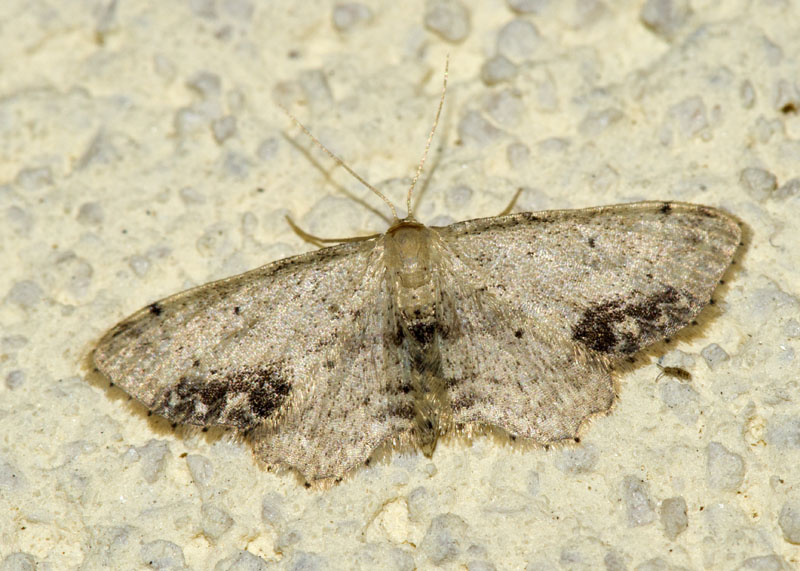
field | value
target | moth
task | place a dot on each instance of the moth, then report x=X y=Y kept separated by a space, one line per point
x=514 y=322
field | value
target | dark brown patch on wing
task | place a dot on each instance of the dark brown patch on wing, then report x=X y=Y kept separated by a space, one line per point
x=422 y=331
x=625 y=325
x=242 y=398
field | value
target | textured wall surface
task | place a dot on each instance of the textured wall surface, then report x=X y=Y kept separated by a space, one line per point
x=143 y=151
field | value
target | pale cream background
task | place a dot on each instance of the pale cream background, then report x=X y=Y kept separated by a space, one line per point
x=121 y=182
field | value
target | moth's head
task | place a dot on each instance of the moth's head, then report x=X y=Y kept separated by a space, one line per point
x=407 y=241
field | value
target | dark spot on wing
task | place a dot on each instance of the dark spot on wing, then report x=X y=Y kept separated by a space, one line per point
x=265 y=386
x=625 y=325
x=591 y=242
x=666 y=208
x=402 y=410
x=518 y=333
x=530 y=217
x=155 y=309
x=422 y=331
x=243 y=398
x=463 y=402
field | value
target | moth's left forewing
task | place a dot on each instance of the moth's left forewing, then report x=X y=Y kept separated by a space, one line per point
x=618 y=277
x=545 y=303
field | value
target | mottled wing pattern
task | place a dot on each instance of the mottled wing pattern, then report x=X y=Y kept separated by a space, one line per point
x=360 y=405
x=295 y=348
x=503 y=368
x=572 y=292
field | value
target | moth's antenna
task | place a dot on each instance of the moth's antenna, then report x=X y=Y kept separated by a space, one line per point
x=340 y=162
x=430 y=136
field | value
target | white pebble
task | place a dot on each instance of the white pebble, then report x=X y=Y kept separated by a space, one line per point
x=200 y=468
x=315 y=85
x=20 y=220
x=689 y=116
x=518 y=154
x=223 y=128
x=25 y=293
x=714 y=355
x=268 y=149
x=13 y=342
x=242 y=561
x=272 y=509
x=747 y=93
x=191 y=196
x=239 y=9
x=11 y=478
x=789 y=521
x=789 y=189
x=34 y=178
x=458 y=197
x=678 y=359
x=498 y=69
x=595 y=122
x=792 y=329
x=348 y=16
x=474 y=128
x=665 y=17
x=214 y=521
x=153 y=457
x=188 y=120
x=208 y=85
x=784 y=432
x=579 y=460
x=681 y=399
x=90 y=214
x=15 y=379
x=448 y=19
x=763 y=563
x=724 y=469
x=445 y=539
x=20 y=561
x=758 y=183
x=518 y=40
x=639 y=506
x=673 y=517
x=505 y=107
x=528 y=6
x=162 y=554
x=532 y=483
x=303 y=561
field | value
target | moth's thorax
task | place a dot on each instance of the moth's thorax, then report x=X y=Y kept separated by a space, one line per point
x=409 y=258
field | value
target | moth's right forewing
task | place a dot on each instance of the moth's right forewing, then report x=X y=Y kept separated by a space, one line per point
x=296 y=349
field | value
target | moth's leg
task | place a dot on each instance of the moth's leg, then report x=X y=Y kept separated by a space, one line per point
x=320 y=242
x=507 y=209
